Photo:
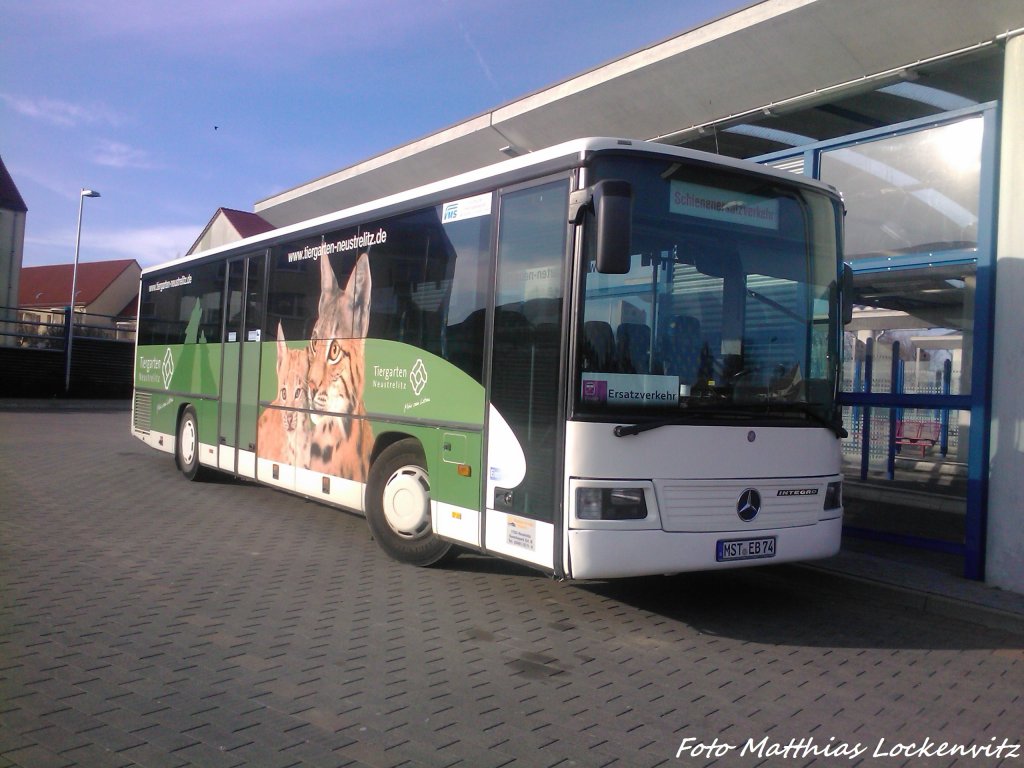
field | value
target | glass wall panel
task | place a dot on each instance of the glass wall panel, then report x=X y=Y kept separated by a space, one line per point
x=910 y=485
x=914 y=194
x=921 y=316
x=913 y=205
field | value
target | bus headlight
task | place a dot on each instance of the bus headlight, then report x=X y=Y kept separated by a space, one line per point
x=610 y=504
x=834 y=495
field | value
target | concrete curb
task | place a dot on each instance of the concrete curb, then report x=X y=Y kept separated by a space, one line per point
x=917 y=597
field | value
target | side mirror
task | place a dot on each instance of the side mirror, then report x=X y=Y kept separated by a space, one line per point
x=613 y=225
x=846 y=294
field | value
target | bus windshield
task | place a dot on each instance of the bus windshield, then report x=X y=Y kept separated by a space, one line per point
x=728 y=309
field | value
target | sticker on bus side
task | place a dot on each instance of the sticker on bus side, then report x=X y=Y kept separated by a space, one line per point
x=522 y=533
x=466 y=208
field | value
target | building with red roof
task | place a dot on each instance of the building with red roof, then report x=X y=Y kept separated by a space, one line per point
x=228 y=226
x=106 y=294
x=102 y=287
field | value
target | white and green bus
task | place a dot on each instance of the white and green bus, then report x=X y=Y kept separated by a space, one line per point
x=608 y=358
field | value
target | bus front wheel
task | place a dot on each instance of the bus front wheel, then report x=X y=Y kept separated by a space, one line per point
x=398 y=506
x=186 y=447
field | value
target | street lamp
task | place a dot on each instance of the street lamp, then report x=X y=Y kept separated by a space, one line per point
x=74 y=281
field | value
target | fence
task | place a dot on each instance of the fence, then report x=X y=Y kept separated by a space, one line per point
x=34 y=354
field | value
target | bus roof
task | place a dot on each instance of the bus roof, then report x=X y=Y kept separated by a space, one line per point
x=550 y=160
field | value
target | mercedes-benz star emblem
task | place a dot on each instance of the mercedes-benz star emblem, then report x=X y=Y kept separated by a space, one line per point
x=749 y=505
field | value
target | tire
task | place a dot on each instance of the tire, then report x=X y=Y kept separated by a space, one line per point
x=186 y=447
x=398 y=506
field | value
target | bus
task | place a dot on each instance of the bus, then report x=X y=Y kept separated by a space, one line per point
x=603 y=359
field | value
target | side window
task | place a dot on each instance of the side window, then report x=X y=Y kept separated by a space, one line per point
x=254 y=309
x=428 y=280
x=182 y=307
x=429 y=284
x=409 y=268
x=469 y=237
x=294 y=278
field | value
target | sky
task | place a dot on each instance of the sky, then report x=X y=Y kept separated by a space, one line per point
x=173 y=110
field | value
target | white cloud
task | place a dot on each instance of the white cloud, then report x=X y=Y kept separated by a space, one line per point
x=147 y=245
x=62 y=113
x=115 y=154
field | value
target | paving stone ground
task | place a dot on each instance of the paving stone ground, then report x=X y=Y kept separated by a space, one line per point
x=145 y=620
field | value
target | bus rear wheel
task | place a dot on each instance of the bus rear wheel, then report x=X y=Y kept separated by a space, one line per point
x=398 y=506
x=186 y=447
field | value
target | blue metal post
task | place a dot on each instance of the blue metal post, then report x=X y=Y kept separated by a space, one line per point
x=896 y=385
x=858 y=366
x=865 y=443
x=947 y=379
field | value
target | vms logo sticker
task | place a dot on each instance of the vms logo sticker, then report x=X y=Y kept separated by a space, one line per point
x=168 y=368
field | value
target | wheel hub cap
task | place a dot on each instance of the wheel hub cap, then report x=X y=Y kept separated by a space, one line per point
x=407 y=502
x=188 y=441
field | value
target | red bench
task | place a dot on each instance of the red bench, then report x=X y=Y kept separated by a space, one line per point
x=918 y=434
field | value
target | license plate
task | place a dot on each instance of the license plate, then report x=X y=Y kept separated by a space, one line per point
x=745 y=549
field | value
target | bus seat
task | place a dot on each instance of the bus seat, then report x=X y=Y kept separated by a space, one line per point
x=465 y=344
x=410 y=326
x=634 y=347
x=511 y=329
x=679 y=348
x=598 y=346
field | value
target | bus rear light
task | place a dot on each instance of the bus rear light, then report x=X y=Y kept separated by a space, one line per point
x=834 y=495
x=610 y=504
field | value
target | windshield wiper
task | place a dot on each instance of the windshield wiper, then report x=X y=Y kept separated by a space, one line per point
x=703 y=409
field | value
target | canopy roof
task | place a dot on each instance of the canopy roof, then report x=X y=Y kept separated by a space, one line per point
x=773 y=58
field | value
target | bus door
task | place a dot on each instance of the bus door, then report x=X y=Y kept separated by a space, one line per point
x=239 y=397
x=525 y=431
